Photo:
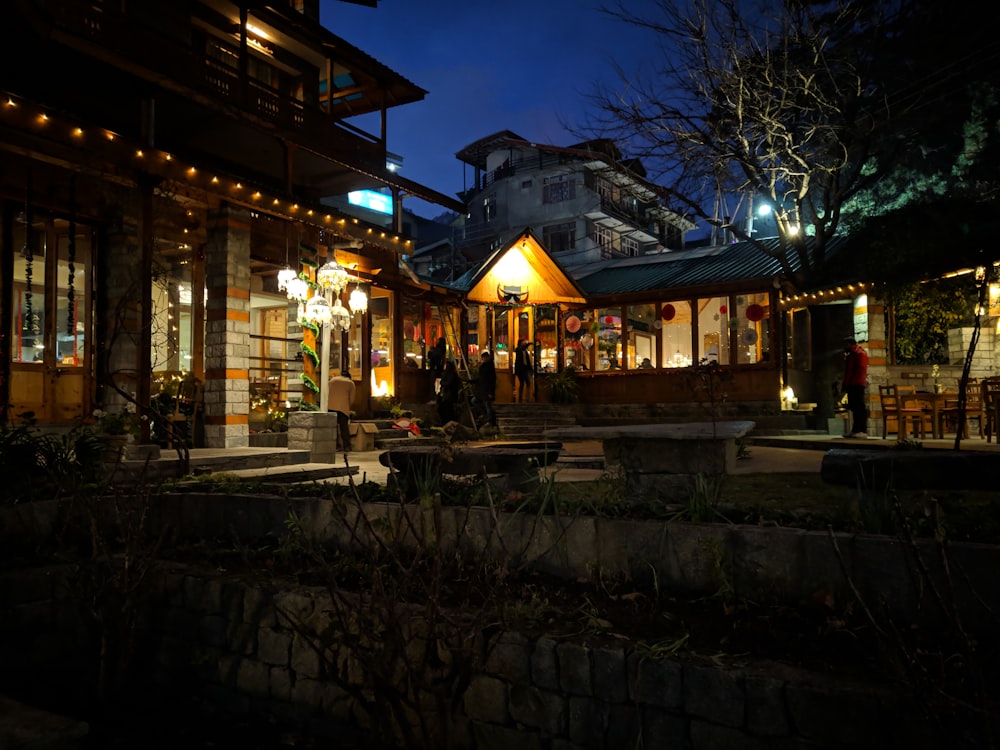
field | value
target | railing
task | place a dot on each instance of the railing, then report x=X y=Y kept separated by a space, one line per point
x=183 y=65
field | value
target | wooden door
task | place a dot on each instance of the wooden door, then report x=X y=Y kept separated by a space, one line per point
x=50 y=367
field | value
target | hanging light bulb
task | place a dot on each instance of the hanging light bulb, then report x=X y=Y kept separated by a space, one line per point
x=339 y=315
x=358 y=301
x=318 y=310
x=285 y=275
x=332 y=276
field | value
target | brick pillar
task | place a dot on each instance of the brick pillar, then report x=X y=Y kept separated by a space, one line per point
x=878 y=361
x=227 y=329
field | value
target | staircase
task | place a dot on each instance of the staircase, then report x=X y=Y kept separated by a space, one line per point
x=527 y=422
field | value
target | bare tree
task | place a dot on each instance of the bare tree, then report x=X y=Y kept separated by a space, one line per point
x=784 y=101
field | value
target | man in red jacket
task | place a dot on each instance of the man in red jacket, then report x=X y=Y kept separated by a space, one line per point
x=854 y=384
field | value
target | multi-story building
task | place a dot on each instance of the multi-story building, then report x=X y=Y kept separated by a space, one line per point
x=584 y=202
x=161 y=163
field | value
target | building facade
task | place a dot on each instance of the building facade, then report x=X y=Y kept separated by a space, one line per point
x=154 y=186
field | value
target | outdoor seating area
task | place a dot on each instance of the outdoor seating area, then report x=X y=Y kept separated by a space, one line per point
x=911 y=412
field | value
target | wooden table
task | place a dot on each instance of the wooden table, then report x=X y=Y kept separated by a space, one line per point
x=936 y=403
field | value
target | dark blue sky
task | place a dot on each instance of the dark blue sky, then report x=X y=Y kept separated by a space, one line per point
x=520 y=65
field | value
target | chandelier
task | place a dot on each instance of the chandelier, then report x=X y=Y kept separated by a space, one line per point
x=318 y=310
x=339 y=316
x=332 y=276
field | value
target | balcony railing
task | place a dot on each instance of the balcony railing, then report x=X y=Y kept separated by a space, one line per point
x=169 y=52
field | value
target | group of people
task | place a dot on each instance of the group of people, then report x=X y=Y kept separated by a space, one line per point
x=448 y=384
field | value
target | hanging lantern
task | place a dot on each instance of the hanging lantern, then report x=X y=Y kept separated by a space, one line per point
x=755 y=313
x=285 y=275
x=318 y=310
x=297 y=289
x=339 y=316
x=668 y=312
x=332 y=276
x=358 y=301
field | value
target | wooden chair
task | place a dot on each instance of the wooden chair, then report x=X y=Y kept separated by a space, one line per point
x=991 y=406
x=902 y=416
x=973 y=409
x=181 y=422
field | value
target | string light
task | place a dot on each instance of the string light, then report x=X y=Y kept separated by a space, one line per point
x=193 y=172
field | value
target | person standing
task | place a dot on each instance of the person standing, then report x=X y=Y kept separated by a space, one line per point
x=523 y=370
x=340 y=399
x=855 y=384
x=486 y=386
x=451 y=386
x=436 y=356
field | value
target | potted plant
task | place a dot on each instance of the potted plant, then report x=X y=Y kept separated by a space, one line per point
x=115 y=428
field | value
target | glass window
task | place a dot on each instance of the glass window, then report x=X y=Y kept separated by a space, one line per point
x=71 y=305
x=501 y=337
x=609 y=338
x=546 y=338
x=558 y=189
x=413 y=350
x=478 y=334
x=558 y=238
x=578 y=340
x=380 y=310
x=29 y=295
x=713 y=330
x=641 y=338
x=798 y=344
x=753 y=328
x=605 y=239
x=675 y=334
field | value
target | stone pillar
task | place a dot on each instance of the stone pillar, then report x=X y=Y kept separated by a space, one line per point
x=316 y=432
x=227 y=329
x=878 y=361
x=121 y=315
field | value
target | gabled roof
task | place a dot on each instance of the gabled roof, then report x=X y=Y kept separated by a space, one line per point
x=685 y=269
x=523 y=269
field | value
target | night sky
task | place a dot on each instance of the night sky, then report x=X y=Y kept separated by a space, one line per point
x=519 y=65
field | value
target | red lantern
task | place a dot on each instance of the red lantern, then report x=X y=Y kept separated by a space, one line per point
x=668 y=312
x=755 y=313
x=723 y=310
x=608 y=319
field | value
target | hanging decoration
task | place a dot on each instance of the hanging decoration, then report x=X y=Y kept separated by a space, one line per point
x=28 y=325
x=339 y=316
x=358 y=301
x=70 y=290
x=668 y=312
x=572 y=324
x=723 y=309
x=333 y=277
x=749 y=336
x=755 y=313
x=586 y=341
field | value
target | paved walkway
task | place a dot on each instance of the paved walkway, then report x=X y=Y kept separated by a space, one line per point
x=765 y=455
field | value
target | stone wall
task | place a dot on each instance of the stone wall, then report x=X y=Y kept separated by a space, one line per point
x=232 y=643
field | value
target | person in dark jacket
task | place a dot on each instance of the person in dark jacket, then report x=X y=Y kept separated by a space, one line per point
x=451 y=386
x=436 y=356
x=523 y=370
x=486 y=386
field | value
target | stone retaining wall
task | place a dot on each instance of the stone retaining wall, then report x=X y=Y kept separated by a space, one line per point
x=763 y=564
x=231 y=642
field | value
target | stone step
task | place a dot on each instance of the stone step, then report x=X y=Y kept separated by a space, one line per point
x=283 y=475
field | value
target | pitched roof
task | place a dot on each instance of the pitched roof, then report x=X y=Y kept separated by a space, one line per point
x=684 y=269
